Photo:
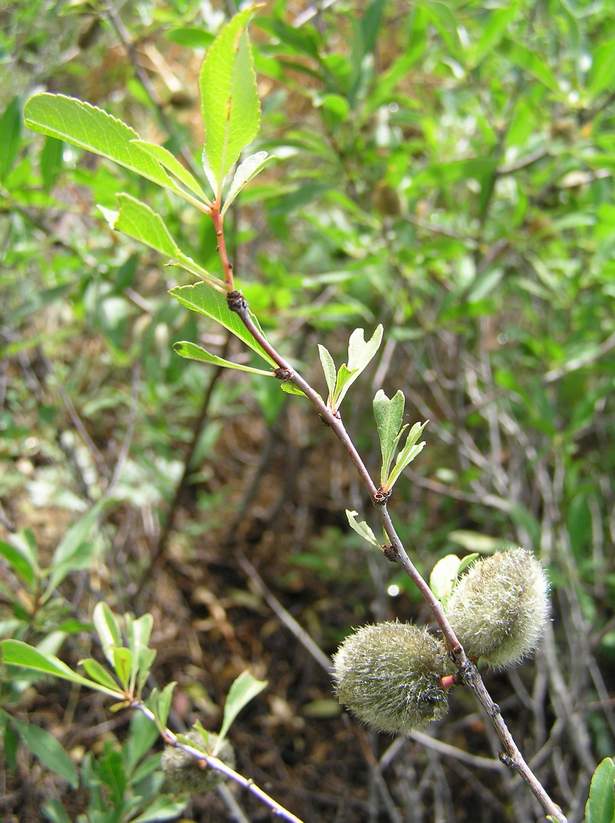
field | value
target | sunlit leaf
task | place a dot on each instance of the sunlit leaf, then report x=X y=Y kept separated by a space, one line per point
x=229 y=99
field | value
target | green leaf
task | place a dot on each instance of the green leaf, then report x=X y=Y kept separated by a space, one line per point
x=76 y=548
x=410 y=450
x=137 y=220
x=466 y=562
x=51 y=162
x=246 y=171
x=168 y=161
x=243 y=689
x=90 y=128
x=494 y=30
x=163 y=808
x=328 y=367
x=443 y=576
x=193 y=352
x=19 y=561
x=531 y=62
x=229 y=98
x=97 y=672
x=146 y=660
x=143 y=735
x=48 y=750
x=123 y=664
x=163 y=704
x=477 y=542
x=360 y=353
x=200 y=298
x=361 y=528
x=138 y=632
x=389 y=415
x=55 y=812
x=17 y=653
x=288 y=387
x=108 y=630
x=600 y=807
x=602 y=74
x=10 y=136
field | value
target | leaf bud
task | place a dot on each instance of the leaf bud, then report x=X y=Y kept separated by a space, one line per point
x=182 y=772
x=389 y=676
x=499 y=608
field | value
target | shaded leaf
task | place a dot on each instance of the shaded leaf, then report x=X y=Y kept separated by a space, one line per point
x=48 y=750
x=410 y=450
x=10 y=136
x=97 y=672
x=243 y=689
x=192 y=351
x=108 y=630
x=17 y=653
x=600 y=807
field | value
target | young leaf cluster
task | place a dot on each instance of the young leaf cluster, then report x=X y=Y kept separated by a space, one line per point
x=389 y=414
x=360 y=355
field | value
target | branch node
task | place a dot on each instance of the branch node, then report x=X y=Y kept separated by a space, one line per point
x=381 y=496
x=236 y=302
x=391 y=553
x=283 y=374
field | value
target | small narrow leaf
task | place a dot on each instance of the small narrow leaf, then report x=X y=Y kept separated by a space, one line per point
x=164 y=703
x=361 y=528
x=410 y=450
x=10 y=136
x=229 y=98
x=443 y=576
x=96 y=672
x=200 y=298
x=17 y=653
x=108 y=630
x=91 y=128
x=122 y=663
x=146 y=659
x=600 y=807
x=172 y=164
x=289 y=387
x=243 y=689
x=246 y=171
x=52 y=157
x=48 y=750
x=138 y=632
x=328 y=367
x=19 y=562
x=193 y=352
x=389 y=415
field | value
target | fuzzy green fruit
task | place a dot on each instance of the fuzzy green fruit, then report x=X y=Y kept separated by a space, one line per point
x=182 y=773
x=500 y=607
x=389 y=675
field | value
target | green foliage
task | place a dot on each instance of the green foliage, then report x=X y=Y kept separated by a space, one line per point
x=360 y=355
x=600 y=806
x=244 y=689
x=229 y=100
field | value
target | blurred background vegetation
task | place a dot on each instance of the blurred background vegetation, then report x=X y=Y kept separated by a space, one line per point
x=445 y=168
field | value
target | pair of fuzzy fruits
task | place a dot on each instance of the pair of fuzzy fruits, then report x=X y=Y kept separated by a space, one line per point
x=390 y=675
